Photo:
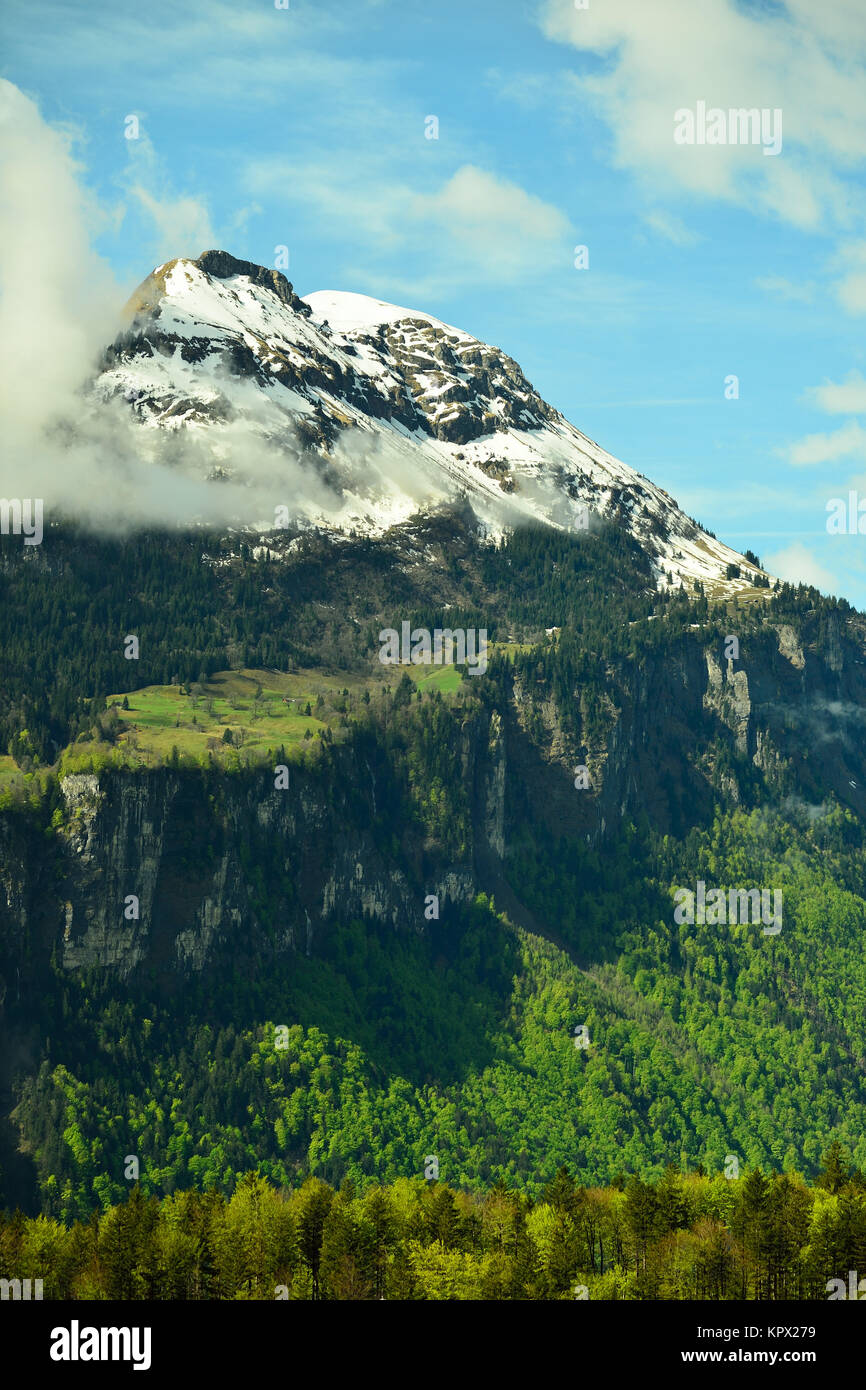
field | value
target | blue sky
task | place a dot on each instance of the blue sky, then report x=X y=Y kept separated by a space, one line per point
x=261 y=127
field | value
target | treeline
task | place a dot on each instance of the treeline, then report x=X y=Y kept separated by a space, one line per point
x=686 y=1236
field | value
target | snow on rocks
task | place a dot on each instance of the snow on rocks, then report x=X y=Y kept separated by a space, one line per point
x=393 y=408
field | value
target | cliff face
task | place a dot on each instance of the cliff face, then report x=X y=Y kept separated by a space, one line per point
x=168 y=869
x=155 y=871
x=691 y=727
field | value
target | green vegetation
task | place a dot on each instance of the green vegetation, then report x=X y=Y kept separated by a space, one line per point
x=452 y=1037
x=261 y=710
x=703 y=1042
x=687 y=1236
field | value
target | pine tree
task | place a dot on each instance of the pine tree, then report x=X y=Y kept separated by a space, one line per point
x=314 y=1203
x=834 y=1175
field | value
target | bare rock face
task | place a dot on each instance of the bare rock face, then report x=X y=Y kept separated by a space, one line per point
x=835 y=649
x=153 y=868
x=790 y=647
x=221 y=265
x=82 y=796
x=494 y=827
x=461 y=390
x=114 y=840
x=727 y=695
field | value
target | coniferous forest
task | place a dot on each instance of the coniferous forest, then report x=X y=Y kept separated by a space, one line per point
x=686 y=1236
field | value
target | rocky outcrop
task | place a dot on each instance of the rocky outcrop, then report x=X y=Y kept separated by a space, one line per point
x=494 y=820
x=727 y=695
x=789 y=646
x=463 y=389
x=223 y=266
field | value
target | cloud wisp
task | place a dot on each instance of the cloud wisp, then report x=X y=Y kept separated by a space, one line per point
x=91 y=459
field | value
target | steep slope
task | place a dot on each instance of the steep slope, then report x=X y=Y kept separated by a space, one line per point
x=388 y=409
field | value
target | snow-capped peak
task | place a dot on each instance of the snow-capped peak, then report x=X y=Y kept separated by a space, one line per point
x=379 y=408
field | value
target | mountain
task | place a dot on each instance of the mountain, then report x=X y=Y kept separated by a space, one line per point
x=250 y=829
x=389 y=409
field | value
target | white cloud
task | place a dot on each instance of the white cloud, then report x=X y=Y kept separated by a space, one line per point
x=841 y=398
x=494 y=224
x=797 y=565
x=851 y=289
x=176 y=225
x=476 y=228
x=846 y=442
x=170 y=224
x=350 y=188
x=851 y=292
x=58 y=299
x=659 y=58
x=182 y=225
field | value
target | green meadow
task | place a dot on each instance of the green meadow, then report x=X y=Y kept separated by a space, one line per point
x=261 y=710
x=9 y=770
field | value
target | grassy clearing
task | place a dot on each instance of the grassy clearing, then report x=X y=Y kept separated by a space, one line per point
x=9 y=771
x=508 y=649
x=262 y=710
x=445 y=679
